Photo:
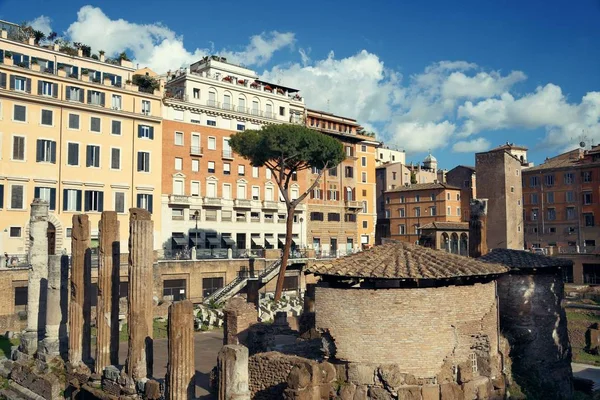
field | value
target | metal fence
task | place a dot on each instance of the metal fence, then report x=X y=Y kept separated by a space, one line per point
x=14 y=261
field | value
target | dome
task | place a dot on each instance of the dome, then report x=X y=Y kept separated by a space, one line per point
x=430 y=159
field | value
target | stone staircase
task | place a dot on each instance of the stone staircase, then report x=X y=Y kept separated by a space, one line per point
x=234 y=287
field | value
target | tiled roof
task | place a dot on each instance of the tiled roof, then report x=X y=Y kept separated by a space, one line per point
x=443 y=225
x=521 y=259
x=570 y=159
x=423 y=186
x=400 y=260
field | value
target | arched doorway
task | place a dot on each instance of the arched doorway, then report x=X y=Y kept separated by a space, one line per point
x=464 y=244
x=454 y=243
x=445 y=242
x=51 y=234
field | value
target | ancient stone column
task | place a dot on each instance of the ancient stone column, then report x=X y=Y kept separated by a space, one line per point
x=57 y=275
x=232 y=364
x=79 y=330
x=180 y=368
x=140 y=307
x=107 y=309
x=477 y=228
x=38 y=275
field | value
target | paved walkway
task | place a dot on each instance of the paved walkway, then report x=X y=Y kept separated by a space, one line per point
x=586 y=371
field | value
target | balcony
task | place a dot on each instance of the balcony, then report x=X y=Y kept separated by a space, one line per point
x=227 y=154
x=353 y=204
x=242 y=203
x=213 y=201
x=179 y=199
x=196 y=150
x=269 y=205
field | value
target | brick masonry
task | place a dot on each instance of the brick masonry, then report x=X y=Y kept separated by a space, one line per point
x=420 y=330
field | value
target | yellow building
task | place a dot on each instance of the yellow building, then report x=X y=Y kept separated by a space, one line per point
x=366 y=152
x=76 y=132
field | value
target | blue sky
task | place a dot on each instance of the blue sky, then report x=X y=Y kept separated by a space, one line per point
x=453 y=78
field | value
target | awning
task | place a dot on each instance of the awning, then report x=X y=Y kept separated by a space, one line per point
x=293 y=242
x=179 y=241
x=213 y=241
x=271 y=241
x=229 y=241
x=256 y=241
x=281 y=239
x=196 y=240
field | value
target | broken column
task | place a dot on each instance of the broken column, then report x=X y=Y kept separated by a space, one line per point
x=477 y=228
x=107 y=309
x=238 y=317
x=57 y=276
x=79 y=307
x=38 y=275
x=180 y=368
x=139 y=352
x=232 y=364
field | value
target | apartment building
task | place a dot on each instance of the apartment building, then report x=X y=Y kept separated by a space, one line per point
x=342 y=209
x=499 y=172
x=561 y=200
x=435 y=207
x=385 y=155
x=212 y=198
x=75 y=132
x=463 y=176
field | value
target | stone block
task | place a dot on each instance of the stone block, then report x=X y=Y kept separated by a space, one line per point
x=111 y=373
x=465 y=373
x=379 y=393
x=328 y=372
x=341 y=372
x=152 y=390
x=451 y=391
x=477 y=389
x=430 y=392
x=361 y=393
x=347 y=391
x=361 y=374
x=409 y=393
x=299 y=378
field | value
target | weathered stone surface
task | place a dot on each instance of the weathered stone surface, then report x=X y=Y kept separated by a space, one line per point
x=361 y=374
x=299 y=377
x=57 y=277
x=180 y=368
x=79 y=307
x=107 y=309
x=361 y=392
x=430 y=392
x=139 y=302
x=328 y=372
x=451 y=391
x=233 y=373
x=239 y=315
x=347 y=391
x=45 y=385
x=478 y=228
x=477 y=389
x=409 y=393
x=465 y=373
x=152 y=391
x=379 y=393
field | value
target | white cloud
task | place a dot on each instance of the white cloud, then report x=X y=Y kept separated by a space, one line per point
x=471 y=146
x=421 y=136
x=261 y=48
x=42 y=24
x=459 y=85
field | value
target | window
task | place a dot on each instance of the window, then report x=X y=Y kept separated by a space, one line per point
x=227 y=191
x=74 y=94
x=365 y=224
x=349 y=151
x=92 y=156
x=241 y=170
x=196 y=93
x=195 y=165
x=365 y=207
x=211 y=122
x=18 y=152
x=120 y=202
x=73 y=154
x=195 y=188
x=569 y=197
x=295 y=194
x=178 y=164
x=550 y=197
x=268 y=173
x=15 y=231
x=363 y=161
x=349 y=171
x=549 y=180
x=255 y=193
x=363 y=177
x=116 y=102
x=255 y=172
x=178 y=138
x=433 y=211
x=534 y=181
x=47 y=117
x=94 y=200
x=146 y=132
x=226 y=102
x=458 y=197
x=269 y=110
x=534 y=198
x=402 y=212
x=146 y=107
x=17 y=202
x=570 y=212
x=449 y=211
x=95 y=124
x=115 y=127
x=551 y=214
x=211 y=215
x=401 y=229
x=226 y=215
x=178 y=188
x=458 y=211
x=588 y=219
x=269 y=193
x=350 y=217
x=177 y=115
x=534 y=214
x=211 y=285
x=448 y=196
x=417 y=198
x=212 y=143
x=95 y=98
x=587 y=176
x=241 y=127
x=393 y=176
x=115 y=158
x=19 y=113
x=316 y=216
x=241 y=191
x=71 y=200
x=211 y=167
x=226 y=168
x=569 y=178
x=333 y=217
x=73 y=121
x=47 y=88
x=143 y=161
x=46 y=151
x=282 y=111
x=211 y=189
x=145 y=201
x=587 y=198
x=417 y=211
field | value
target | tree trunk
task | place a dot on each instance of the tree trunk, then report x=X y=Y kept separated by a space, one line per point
x=285 y=255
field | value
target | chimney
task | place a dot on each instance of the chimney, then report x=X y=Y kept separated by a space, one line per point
x=478 y=228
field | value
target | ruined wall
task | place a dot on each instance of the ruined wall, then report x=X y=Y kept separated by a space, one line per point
x=239 y=316
x=535 y=325
x=269 y=372
x=420 y=330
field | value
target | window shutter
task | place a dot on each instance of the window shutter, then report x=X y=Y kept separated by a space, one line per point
x=40 y=85
x=150 y=196
x=116 y=128
x=2 y=80
x=65 y=200
x=88 y=201
x=139 y=131
x=89 y=97
x=55 y=90
x=81 y=93
x=36 y=193
x=140 y=161
x=39 y=150
x=88 y=160
x=100 y=201
x=16 y=200
x=139 y=201
x=53 y=198
x=28 y=85
x=119 y=199
x=1 y=196
x=12 y=82
x=102 y=99
x=151 y=132
x=53 y=152
x=115 y=156
x=78 y=205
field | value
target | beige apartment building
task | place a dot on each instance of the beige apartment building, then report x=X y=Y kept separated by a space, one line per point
x=74 y=131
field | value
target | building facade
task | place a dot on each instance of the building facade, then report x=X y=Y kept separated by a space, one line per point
x=212 y=198
x=500 y=183
x=463 y=176
x=561 y=201
x=385 y=155
x=341 y=208
x=77 y=133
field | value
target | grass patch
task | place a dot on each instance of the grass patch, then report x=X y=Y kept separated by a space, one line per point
x=159 y=331
x=582 y=316
x=6 y=344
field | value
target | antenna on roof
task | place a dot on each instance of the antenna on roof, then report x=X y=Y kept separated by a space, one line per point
x=328 y=105
x=583 y=139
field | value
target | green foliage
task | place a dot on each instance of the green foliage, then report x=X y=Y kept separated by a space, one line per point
x=7 y=54
x=38 y=36
x=123 y=56
x=413 y=178
x=146 y=83
x=6 y=344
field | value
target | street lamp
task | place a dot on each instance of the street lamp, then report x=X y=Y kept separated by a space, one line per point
x=301 y=221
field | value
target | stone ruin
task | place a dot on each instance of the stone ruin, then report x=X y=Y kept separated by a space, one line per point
x=55 y=358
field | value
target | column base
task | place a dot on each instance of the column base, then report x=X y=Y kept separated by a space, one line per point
x=29 y=343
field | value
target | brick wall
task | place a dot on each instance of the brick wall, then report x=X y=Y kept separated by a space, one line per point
x=417 y=329
x=239 y=316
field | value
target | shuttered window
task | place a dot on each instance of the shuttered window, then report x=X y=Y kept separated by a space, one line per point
x=16 y=197
x=145 y=201
x=94 y=200
x=2 y=80
x=74 y=94
x=95 y=124
x=47 y=117
x=71 y=200
x=96 y=98
x=45 y=151
x=20 y=113
x=146 y=132
x=73 y=154
x=116 y=128
x=92 y=156
x=143 y=161
x=18 y=148
x=46 y=193
x=115 y=158
x=120 y=202
x=73 y=121
x=1 y=196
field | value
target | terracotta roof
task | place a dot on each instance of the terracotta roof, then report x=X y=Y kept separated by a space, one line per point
x=400 y=260
x=423 y=186
x=566 y=160
x=443 y=225
x=521 y=259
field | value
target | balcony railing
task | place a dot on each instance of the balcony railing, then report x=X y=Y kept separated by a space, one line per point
x=228 y=154
x=179 y=199
x=269 y=205
x=353 y=204
x=242 y=203
x=213 y=201
x=196 y=150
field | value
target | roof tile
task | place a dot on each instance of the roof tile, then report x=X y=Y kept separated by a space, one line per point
x=521 y=259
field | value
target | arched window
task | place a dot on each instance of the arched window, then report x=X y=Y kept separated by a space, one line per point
x=454 y=243
x=242 y=104
x=464 y=244
x=212 y=98
x=445 y=245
